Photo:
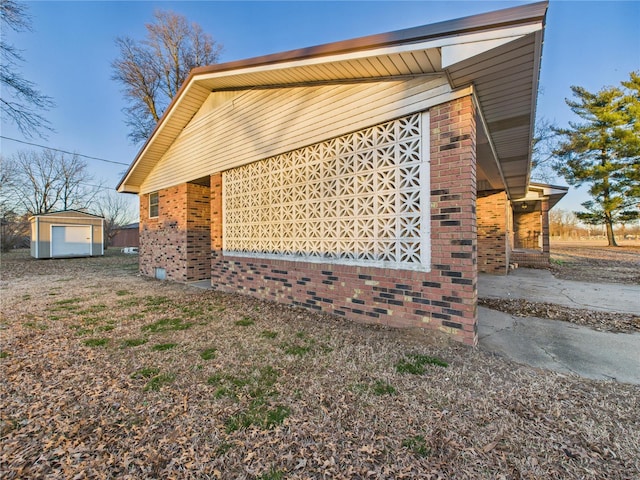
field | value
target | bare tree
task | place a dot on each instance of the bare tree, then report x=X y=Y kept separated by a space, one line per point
x=46 y=181
x=152 y=71
x=544 y=141
x=21 y=101
x=563 y=224
x=117 y=210
x=14 y=230
x=14 y=225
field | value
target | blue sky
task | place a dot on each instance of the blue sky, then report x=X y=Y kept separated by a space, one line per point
x=69 y=54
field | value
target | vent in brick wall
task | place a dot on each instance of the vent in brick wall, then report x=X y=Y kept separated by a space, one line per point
x=360 y=198
x=160 y=273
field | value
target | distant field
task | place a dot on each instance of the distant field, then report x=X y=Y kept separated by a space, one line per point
x=594 y=243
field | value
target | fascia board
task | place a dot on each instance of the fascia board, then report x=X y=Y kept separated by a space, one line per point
x=511 y=33
x=467 y=47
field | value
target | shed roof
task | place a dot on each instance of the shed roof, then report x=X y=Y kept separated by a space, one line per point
x=498 y=53
x=62 y=213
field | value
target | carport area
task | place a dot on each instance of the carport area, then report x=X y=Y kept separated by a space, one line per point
x=557 y=345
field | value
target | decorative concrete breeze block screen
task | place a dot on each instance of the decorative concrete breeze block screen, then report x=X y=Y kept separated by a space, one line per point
x=362 y=198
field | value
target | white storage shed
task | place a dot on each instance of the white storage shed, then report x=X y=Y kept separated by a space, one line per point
x=69 y=233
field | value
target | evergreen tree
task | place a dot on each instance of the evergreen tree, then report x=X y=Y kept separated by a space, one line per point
x=603 y=151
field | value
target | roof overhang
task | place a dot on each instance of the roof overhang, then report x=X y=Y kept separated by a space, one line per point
x=537 y=192
x=61 y=213
x=497 y=54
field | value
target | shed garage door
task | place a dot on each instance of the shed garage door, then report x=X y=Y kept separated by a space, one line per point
x=70 y=240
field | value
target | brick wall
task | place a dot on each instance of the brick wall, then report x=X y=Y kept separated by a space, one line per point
x=178 y=240
x=527 y=230
x=528 y=225
x=443 y=299
x=198 y=232
x=493 y=249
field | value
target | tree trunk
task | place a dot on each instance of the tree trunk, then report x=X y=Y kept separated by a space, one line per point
x=610 y=237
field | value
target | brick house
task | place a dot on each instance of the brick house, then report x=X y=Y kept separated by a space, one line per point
x=371 y=178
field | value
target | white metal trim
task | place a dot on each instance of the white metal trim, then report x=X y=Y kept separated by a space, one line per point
x=57 y=217
x=37 y=237
x=537 y=57
x=425 y=192
x=452 y=54
x=149 y=200
x=328 y=260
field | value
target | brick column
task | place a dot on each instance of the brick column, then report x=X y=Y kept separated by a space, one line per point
x=544 y=219
x=453 y=214
x=215 y=197
x=493 y=252
x=198 y=239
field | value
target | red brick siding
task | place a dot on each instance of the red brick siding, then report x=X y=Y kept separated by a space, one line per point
x=178 y=240
x=198 y=233
x=443 y=299
x=493 y=251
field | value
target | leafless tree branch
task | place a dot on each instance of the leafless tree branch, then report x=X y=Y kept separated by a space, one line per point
x=152 y=71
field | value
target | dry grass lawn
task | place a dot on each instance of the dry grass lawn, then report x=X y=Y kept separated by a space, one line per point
x=594 y=262
x=105 y=374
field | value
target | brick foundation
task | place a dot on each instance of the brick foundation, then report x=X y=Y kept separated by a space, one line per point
x=443 y=299
x=493 y=248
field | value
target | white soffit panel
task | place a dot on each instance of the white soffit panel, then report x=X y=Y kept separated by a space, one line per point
x=453 y=54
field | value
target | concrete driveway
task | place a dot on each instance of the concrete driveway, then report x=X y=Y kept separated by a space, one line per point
x=556 y=345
